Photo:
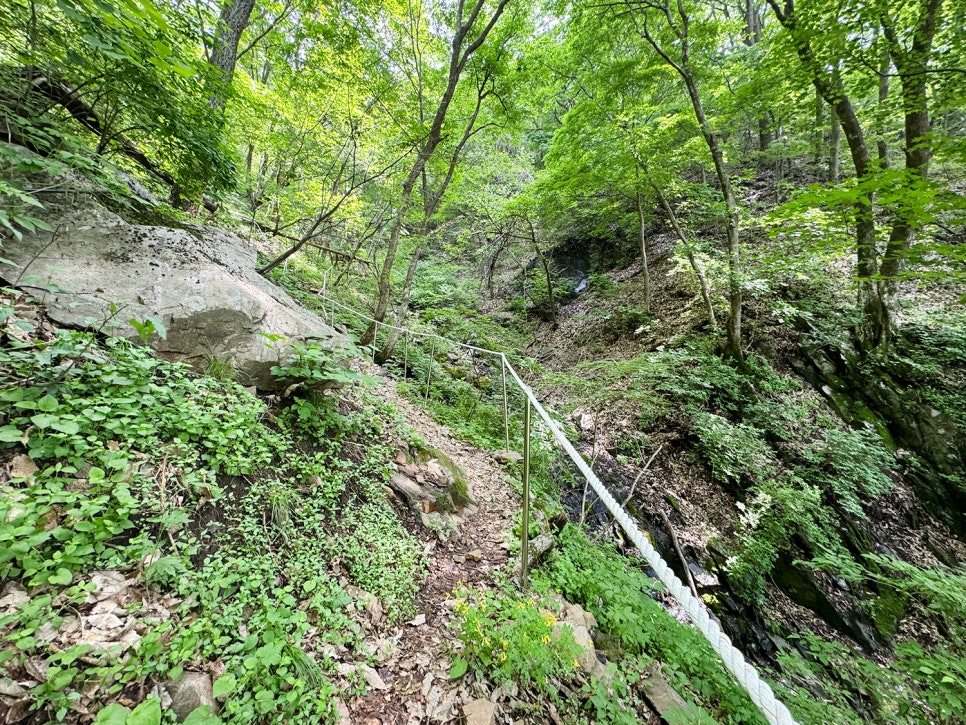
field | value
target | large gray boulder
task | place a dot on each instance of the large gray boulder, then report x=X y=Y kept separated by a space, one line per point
x=199 y=281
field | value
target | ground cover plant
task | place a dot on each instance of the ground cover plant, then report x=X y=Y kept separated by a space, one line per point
x=182 y=514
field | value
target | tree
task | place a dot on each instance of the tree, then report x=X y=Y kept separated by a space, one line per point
x=232 y=22
x=817 y=38
x=471 y=25
x=674 y=32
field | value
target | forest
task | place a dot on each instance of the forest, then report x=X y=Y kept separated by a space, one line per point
x=723 y=240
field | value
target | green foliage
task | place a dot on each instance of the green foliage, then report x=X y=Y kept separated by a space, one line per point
x=619 y=597
x=132 y=454
x=17 y=204
x=437 y=288
x=627 y=319
x=511 y=638
x=255 y=627
x=143 y=83
x=940 y=676
x=790 y=468
x=314 y=368
x=382 y=557
x=602 y=285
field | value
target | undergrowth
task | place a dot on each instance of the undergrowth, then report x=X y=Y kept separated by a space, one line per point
x=789 y=465
x=620 y=598
x=241 y=521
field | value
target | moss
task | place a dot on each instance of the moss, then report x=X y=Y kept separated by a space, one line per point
x=459 y=492
x=887 y=611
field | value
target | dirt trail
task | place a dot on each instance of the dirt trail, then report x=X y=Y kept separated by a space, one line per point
x=413 y=659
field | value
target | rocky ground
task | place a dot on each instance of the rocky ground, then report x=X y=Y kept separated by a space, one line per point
x=410 y=682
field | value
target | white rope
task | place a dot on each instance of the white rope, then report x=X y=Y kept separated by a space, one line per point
x=743 y=671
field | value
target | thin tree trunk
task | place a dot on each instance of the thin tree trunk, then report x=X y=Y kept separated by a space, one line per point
x=912 y=68
x=683 y=68
x=871 y=329
x=834 y=145
x=882 y=145
x=551 y=298
x=401 y=311
x=644 y=265
x=733 y=324
x=818 y=139
x=689 y=251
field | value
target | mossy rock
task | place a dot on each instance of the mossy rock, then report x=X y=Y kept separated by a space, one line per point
x=458 y=493
x=455 y=372
x=887 y=611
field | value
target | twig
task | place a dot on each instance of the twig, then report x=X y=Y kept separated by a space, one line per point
x=677 y=548
x=633 y=487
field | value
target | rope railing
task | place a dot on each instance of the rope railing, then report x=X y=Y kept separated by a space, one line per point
x=742 y=670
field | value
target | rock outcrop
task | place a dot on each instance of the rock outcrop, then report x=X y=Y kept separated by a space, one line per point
x=98 y=271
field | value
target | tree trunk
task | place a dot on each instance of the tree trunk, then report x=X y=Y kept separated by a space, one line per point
x=733 y=324
x=689 y=251
x=834 y=144
x=872 y=328
x=551 y=298
x=764 y=134
x=234 y=18
x=683 y=68
x=401 y=311
x=644 y=265
x=912 y=68
x=818 y=139
x=882 y=145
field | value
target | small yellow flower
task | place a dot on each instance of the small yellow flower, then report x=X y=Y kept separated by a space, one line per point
x=545 y=639
x=575 y=664
x=502 y=656
x=504 y=644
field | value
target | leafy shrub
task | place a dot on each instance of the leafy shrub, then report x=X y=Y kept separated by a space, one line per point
x=602 y=285
x=509 y=638
x=619 y=596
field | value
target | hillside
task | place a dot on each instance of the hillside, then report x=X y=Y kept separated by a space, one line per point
x=486 y=362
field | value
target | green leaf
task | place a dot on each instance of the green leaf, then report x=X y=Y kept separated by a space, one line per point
x=458 y=669
x=113 y=714
x=47 y=404
x=44 y=420
x=10 y=434
x=147 y=713
x=66 y=426
x=62 y=577
x=224 y=685
x=201 y=715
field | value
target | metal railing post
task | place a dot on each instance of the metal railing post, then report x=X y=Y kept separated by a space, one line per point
x=375 y=341
x=429 y=368
x=525 y=534
x=506 y=410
